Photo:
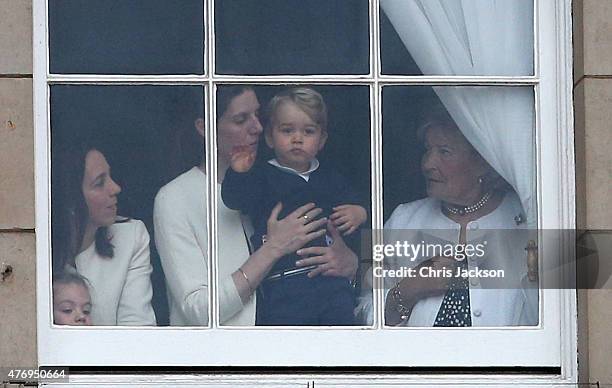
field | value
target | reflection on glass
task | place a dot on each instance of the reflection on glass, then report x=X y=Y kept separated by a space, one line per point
x=312 y=158
x=113 y=148
x=126 y=37
x=454 y=248
x=449 y=37
x=292 y=37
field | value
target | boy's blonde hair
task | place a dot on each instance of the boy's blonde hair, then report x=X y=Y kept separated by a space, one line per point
x=308 y=100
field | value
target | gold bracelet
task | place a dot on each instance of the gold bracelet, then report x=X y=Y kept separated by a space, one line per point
x=246 y=278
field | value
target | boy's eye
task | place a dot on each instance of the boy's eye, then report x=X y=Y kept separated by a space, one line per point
x=310 y=131
x=286 y=129
x=67 y=311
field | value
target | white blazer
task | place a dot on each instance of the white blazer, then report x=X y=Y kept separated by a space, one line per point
x=120 y=287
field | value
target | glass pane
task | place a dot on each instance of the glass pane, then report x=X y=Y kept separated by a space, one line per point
x=103 y=201
x=126 y=37
x=310 y=155
x=459 y=205
x=449 y=37
x=292 y=37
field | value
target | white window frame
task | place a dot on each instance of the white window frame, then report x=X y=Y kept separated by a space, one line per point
x=174 y=346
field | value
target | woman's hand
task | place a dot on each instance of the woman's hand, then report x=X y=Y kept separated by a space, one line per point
x=424 y=287
x=334 y=260
x=416 y=288
x=284 y=236
x=347 y=218
x=295 y=230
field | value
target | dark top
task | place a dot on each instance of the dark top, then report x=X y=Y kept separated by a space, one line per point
x=257 y=191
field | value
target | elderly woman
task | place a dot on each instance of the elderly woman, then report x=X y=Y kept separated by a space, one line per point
x=467 y=203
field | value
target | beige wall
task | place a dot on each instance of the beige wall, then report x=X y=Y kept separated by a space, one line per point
x=17 y=239
x=593 y=112
x=593 y=101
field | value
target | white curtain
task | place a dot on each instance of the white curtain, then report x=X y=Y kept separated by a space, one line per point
x=480 y=38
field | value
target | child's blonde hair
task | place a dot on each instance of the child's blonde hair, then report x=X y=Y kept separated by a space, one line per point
x=308 y=100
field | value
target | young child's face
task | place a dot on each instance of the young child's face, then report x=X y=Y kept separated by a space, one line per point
x=295 y=137
x=71 y=304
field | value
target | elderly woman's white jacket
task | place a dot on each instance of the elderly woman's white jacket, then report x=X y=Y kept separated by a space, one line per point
x=496 y=301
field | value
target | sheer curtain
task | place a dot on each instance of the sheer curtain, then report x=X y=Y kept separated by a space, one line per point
x=480 y=38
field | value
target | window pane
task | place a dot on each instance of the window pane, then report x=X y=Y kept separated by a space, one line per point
x=290 y=169
x=126 y=37
x=292 y=37
x=449 y=37
x=145 y=137
x=459 y=172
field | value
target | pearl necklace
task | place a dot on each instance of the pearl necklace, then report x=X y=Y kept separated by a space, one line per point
x=463 y=210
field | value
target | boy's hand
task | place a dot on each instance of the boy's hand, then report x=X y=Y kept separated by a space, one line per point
x=347 y=218
x=243 y=158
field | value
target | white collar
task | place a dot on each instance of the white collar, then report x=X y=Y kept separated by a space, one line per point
x=314 y=164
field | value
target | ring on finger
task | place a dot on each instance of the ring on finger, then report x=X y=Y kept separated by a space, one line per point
x=305 y=216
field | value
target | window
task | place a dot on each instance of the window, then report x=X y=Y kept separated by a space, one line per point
x=141 y=80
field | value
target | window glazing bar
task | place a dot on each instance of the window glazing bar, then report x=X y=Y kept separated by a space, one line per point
x=272 y=80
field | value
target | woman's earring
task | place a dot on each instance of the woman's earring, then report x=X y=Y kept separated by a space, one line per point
x=481 y=179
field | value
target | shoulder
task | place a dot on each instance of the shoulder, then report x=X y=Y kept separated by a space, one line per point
x=125 y=228
x=424 y=205
x=192 y=179
x=187 y=187
x=511 y=203
x=409 y=214
x=507 y=215
x=329 y=172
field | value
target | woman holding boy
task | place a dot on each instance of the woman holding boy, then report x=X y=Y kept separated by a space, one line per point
x=296 y=133
x=181 y=231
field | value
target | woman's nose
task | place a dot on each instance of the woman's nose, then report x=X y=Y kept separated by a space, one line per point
x=427 y=163
x=115 y=188
x=255 y=128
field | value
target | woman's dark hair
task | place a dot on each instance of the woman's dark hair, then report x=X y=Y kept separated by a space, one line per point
x=225 y=95
x=69 y=210
x=186 y=149
x=187 y=146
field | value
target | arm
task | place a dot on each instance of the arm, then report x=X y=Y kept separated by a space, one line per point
x=351 y=214
x=183 y=259
x=284 y=236
x=185 y=262
x=135 y=302
x=241 y=190
x=408 y=292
